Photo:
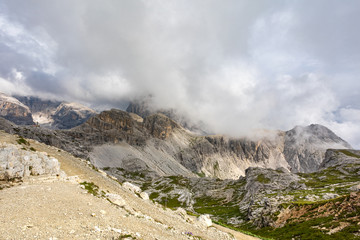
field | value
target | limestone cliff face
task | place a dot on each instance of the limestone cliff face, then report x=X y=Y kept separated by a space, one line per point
x=229 y=158
x=112 y=126
x=113 y=119
x=13 y=110
x=159 y=125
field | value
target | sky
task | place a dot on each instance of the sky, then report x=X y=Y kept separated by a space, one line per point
x=236 y=65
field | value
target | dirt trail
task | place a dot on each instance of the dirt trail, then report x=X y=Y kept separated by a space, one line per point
x=62 y=210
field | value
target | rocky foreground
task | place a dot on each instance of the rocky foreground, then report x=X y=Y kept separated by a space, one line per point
x=77 y=202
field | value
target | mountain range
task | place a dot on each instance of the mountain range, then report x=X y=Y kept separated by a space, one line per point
x=246 y=182
x=46 y=113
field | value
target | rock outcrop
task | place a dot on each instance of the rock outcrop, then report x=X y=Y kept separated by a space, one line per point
x=160 y=126
x=13 y=110
x=205 y=220
x=338 y=157
x=17 y=163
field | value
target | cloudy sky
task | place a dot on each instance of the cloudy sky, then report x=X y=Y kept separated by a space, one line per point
x=237 y=65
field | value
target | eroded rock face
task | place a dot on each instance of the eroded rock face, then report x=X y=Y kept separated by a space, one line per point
x=159 y=125
x=113 y=126
x=305 y=147
x=14 y=111
x=16 y=163
x=113 y=119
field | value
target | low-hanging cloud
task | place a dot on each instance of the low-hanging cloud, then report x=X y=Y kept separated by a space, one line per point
x=235 y=65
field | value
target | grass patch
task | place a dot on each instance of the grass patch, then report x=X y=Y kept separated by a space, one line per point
x=262 y=179
x=170 y=202
x=125 y=236
x=21 y=140
x=348 y=153
x=32 y=149
x=154 y=195
x=329 y=176
x=93 y=189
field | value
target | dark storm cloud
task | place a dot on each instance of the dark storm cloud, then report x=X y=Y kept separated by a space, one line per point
x=236 y=65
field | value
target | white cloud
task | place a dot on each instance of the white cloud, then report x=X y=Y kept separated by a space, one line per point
x=236 y=65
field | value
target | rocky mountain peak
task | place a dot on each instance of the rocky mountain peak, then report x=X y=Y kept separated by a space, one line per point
x=305 y=147
x=314 y=134
x=68 y=115
x=13 y=110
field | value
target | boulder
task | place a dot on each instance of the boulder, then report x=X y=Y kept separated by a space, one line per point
x=144 y=195
x=131 y=187
x=205 y=220
x=116 y=199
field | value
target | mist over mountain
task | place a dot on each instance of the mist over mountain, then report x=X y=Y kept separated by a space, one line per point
x=234 y=65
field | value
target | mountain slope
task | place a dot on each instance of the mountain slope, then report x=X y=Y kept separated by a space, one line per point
x=45 y=208
x=13 y=110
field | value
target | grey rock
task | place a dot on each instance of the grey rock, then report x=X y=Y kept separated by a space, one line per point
x=338 y=157
x=144 y=195
x=16 y=163
x=131 y=187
